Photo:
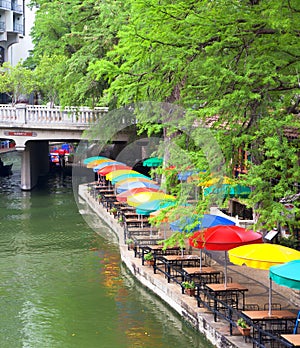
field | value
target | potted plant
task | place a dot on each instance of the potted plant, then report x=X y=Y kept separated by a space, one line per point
x=149 y=258
x=130 y=243
x=120 y=221
x=243 y=327
x=189 y=287
x=113 y=211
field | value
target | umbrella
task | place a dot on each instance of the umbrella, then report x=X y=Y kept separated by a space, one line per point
x=128 y=175
x=122 y=197
x=143 y=197
x=149 y=207
x=105 y=164
x=134 y=179
x=263 y=256
x=111 y=168
x=287 y=274
x=216 y=180
x=208 y=220
x=91 y=159
x=136 y=184
x=96 y=162
x=112 y=175
x=184 y=176
x=223 y=238
x=153 y=162
x=228 y=190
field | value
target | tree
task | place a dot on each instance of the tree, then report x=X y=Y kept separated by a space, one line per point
x=79 y=32
x=231 y=64
x=17 y=81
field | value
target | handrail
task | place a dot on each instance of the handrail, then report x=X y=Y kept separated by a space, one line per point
x=39 y=115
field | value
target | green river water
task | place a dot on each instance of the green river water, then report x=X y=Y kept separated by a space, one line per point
x=63 y=285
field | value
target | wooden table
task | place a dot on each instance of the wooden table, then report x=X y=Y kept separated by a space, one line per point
x=229 y=294
x=165 y=263
x=276 y=323
x=158 y=249
x=294 y=339
x=205 y=275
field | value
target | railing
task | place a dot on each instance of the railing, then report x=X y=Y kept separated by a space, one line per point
x=38 y=115
x=5 y=4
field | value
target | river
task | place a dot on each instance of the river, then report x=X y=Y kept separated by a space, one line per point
x=63 y=285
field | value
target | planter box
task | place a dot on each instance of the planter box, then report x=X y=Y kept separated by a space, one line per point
x=245 y=331
x=190 y=292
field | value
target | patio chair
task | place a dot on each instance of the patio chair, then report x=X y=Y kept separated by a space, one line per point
x=273 y=306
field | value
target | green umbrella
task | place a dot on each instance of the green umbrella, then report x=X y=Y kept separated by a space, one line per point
x=228 y=190
x=153 y=162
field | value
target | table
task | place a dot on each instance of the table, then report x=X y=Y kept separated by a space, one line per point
x=276 y=323
x=229 y=294
x=294 y=339
x=136 y=222
x=158 y=249
x=175 y=261
x=205 y=275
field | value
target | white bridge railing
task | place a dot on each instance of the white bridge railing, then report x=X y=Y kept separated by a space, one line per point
x=37 y=115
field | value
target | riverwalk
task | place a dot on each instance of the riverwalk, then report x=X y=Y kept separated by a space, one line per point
x=219 y=331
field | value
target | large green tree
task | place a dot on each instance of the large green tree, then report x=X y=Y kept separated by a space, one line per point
x=231 y=64
x=79 y=32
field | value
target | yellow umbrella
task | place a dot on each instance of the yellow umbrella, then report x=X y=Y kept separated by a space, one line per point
x=96 y=162
x=143 y=197
x=134 y=179
x=216 y=180
x=116 y=173
x=263 y=256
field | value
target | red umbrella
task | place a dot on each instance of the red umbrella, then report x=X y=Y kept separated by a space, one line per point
x=112 y=168
x=224 y=238
x=122 y=197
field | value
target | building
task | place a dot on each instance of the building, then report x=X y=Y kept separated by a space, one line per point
x=16 y=20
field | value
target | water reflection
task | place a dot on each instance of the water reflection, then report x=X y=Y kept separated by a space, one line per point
x=63 y=285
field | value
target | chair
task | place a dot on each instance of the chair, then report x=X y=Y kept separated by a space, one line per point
x=273 y=306
x=251 y=307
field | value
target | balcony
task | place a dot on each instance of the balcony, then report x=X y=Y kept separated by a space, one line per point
x=18 y=28
x=16 y=7
x=5 y=4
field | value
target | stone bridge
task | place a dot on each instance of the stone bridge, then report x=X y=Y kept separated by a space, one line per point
x=33 y=126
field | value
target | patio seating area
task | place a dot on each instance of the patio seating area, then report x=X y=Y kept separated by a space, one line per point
x=226 y=297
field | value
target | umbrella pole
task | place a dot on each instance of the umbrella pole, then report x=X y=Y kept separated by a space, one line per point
x=225 y=269
x=270 y=297
x=200 y=259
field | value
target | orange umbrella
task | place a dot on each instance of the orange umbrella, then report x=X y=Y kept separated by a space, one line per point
x=122 y=197
x=112 y=168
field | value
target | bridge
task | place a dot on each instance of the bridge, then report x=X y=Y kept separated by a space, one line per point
x=31 y=127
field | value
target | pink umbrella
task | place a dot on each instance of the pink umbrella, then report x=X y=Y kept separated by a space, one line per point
x=223 y=238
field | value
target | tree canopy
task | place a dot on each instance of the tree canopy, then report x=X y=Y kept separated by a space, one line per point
x=232 y=65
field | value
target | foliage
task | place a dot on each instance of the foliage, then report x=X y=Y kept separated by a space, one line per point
x=148 y=257
x=228 y=65
x=188 y=284
x=290 y=242
x=17 y=81
x=79 y=32
x=242 y=323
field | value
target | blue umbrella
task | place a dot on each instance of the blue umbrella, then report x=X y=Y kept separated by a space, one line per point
x=129 y=175
x=149 y=207
x=208 y=220
x=135 y=184
x=91 y=159
x=183 y=176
